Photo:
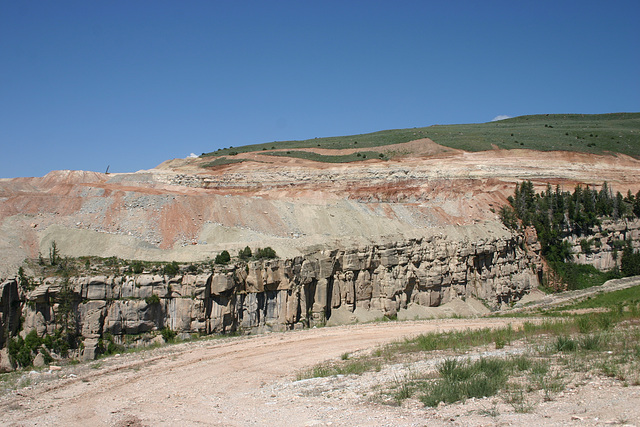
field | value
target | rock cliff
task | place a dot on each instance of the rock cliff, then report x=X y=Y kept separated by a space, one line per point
x=326 y=286
x=358 y=241
x=603 y=248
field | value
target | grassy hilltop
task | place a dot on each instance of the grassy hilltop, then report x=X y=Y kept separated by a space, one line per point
x=588 y=133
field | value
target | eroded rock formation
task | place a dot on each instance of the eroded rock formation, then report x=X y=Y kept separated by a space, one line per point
x=603 y=248
x=284 y=294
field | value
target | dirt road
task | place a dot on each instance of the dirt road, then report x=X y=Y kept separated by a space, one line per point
x=216 y=382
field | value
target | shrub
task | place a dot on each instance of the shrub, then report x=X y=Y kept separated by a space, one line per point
x=54 y=253
x=107 y=346
x=630 y=262
x=461 y=380
x=153 y=299
x=172 y=269
x=267 y=252
x=167 y=334
x=23 y=280
x=22 y=351
x=223 y=258
x=245 y=253
x=564 y=343
x=137 y=267
x=46 y=356
x=65 y=316
x=508 y=217
x=591 y=342
x=56 y=343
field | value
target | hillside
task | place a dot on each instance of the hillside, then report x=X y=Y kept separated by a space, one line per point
x=437 y=180
x=413 y=230
x=584 y=133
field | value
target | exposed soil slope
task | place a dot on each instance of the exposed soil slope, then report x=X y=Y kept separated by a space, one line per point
x=180 y=211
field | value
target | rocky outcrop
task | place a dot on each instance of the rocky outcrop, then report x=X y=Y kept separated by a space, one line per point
x=284 y=294
x=404 y=279
x=9 y=310
x=9 y=319
x=603 y=247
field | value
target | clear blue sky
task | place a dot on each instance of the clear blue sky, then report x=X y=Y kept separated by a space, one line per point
x=88 y=84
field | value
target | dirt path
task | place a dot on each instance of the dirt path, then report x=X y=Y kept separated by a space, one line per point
x=224 y=382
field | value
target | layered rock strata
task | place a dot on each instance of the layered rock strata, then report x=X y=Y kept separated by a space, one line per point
x=292 y=293
x=603 y=247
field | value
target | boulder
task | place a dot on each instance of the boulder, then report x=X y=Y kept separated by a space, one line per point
x=38 y=361
x=90 y=351
x=5 y=362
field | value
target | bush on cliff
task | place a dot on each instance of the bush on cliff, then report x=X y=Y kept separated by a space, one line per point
x=137 y=267
x=245 y=253
x=171 y=269
x=267 y=252
x=223 y=258
x=153 y=299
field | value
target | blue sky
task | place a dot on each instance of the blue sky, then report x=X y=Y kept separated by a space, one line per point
x=129 y=84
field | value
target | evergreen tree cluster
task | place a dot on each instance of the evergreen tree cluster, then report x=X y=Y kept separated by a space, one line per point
x=555 y=213
x=245 y=254
x=630 y=261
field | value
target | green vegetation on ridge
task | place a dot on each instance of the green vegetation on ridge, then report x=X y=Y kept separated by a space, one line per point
x=328 y=159
x=589 y=133
x=557 y=214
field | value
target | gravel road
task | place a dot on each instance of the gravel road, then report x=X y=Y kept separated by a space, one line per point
x=238 y=381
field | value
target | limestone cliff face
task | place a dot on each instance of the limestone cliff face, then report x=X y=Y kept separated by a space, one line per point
x=603 y=249
x=290 y=293
x=337 y=286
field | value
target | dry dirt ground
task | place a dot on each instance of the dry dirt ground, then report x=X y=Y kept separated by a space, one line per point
x=252 y=381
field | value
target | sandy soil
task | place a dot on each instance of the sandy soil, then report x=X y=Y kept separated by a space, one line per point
x=251 y=381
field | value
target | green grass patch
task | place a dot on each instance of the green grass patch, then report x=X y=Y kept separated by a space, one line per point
x=582 y=276
x=602 y=342
x=348 y=158
x=627 y=297
x=355 y=366
x=598 y=133
x=590 y=133
x=457 y=340
x=375 y=139
x=222 y=161
x=461 y=380
x=591 y=342
x=543 y=368
x=564 y=343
